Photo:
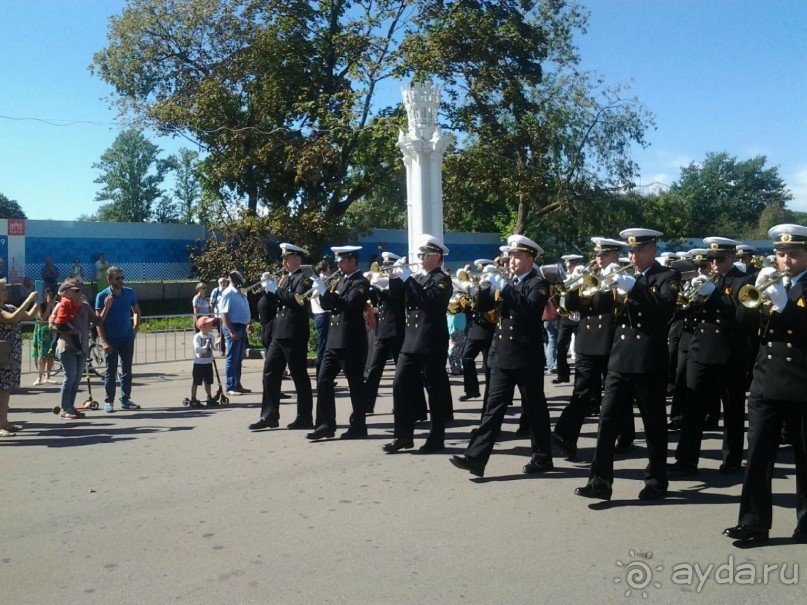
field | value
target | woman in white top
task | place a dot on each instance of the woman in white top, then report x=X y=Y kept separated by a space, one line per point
x=201 y=304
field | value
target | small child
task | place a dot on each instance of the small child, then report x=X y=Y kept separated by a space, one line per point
x=42 y=344
x=66 y=312
x=203 y=343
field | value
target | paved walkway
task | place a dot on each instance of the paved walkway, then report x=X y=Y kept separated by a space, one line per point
x=167 y=504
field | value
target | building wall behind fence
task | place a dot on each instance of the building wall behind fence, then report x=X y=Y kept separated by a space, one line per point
x=145 y=251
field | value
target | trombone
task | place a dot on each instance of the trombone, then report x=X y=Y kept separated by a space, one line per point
x=330 y=282
x=752 y=296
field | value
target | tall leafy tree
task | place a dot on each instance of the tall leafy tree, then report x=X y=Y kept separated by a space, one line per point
x=10 y=208
x=187 y=188
x=131 y=175
x=727 y=196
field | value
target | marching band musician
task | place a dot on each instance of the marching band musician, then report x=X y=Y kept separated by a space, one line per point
x=346 y=349
x=569 y=323
x=289 y=344
x=518 y=360
x=644 y=304
x=389 y=334
x=779 y=390
x=478 y=341
x=716 y=349
x=745 y=259
x=592 y=348
x=425 y=348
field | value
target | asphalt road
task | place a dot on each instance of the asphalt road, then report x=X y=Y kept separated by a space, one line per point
x=168 y=504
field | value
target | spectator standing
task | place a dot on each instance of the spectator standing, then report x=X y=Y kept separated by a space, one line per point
x=119 y=316
x=322 y=317
x=50 y=275
x=11 y=351
x=201 y=305
x=215 y=294
x=101 y=267
x=76 y=271
x=73 y=360
x=235 y=316
x=456 y=341
x=551 y=321
x=203 y=342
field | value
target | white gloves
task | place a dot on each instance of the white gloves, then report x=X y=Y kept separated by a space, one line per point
x=381 y=282
x=270 y=285
x=624 y=282
x=608 y=280
x=497 y=282
x=319 y=285
x=489 y=269
x=402 y=272
x=778 y=296
x=578 y=271
x=705 y=291
x=764 y=275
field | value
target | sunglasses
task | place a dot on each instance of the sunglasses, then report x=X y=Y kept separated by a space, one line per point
x=425 y=255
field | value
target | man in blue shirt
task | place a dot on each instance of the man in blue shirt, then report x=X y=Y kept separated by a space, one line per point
x=120 y=319
x=235 y=315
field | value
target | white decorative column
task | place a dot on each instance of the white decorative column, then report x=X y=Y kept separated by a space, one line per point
x=423 y=146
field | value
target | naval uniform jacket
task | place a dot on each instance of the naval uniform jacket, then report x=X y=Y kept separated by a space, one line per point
x=518 y=339
x=717 y=338
x=425 y=298
x=267 y=311
x=642 y=321
x=390 y=317
x=481 y=328
x=346 y=303
x=292 y=318
x=780 y=372
x=595 y=336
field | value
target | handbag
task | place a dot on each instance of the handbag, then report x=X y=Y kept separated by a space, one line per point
x=5 y=354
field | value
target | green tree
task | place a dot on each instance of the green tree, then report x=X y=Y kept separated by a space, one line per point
x=10 y=208
x=187 y=188
x=727 y=196
x=131 y=175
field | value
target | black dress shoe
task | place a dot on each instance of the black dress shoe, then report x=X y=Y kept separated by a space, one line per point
x=300 y=423
x=322 y=432
x=243 y=390
x=728 y=469
x=623 y=447
x=467 y=396
x=431 y=447
x=398 y=445
x=560 y=380
x=746 y=533
x=354 y=433
x=568 y=448
x=264 y=423
x=650 y=492
x=536 y=467
x=592 y=491
x=800 y=536
x=477 y=469
x=682 y=469
x=674 y=425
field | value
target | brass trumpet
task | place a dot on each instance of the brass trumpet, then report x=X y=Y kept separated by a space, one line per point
x=752 y=296
x=587 y=281
x=606 y=284
x=258 y=285
x=376 y=268
x=330 y=282
x=686 y=298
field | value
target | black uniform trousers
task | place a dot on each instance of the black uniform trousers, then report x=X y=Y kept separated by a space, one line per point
x=472 y=348
x=765 y=417
x=588 y=372
x=707 y=383
x=565 y=333
x=411 y=372
x=351 y=362
x=680 y=389
x=649 y=392
x=384 y=347
x=534 y=411
x=283 y=351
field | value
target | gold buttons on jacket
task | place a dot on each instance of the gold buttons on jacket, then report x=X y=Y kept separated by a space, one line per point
x=788 y=359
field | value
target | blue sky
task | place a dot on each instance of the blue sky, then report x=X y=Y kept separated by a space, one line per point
x=720 y=75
